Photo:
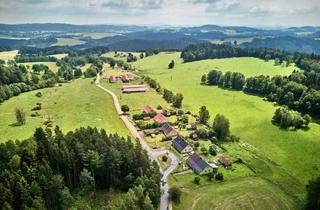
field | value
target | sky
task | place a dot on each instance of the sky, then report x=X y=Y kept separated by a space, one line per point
x=270 y=13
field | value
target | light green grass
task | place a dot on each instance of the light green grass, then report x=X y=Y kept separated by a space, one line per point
x=71 y=106
x=239 y=40
x=68 y=42
x=52 y=65
x=123 y=57
x=241 y=194
x=293 y=153
x=97 y=35
x=8 y=55
x=59 y=56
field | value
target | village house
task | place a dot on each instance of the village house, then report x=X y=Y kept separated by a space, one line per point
x=168 y=131
x=225 y=162
x=148 y=109
x=181 y=145
x=112 y=79
x=198 y=165
x=125 y=78
x=160 y=118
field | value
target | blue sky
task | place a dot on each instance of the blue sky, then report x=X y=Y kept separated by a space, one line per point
x=164 y=12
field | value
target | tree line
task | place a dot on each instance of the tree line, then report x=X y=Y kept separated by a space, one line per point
x=299 y=91
x=49 y=169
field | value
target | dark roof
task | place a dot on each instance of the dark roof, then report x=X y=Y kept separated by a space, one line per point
x=224 y=161
x=196 y=163
x=179 y=143
x=168 y=130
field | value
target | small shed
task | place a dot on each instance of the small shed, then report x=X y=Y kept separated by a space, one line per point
x=148 y=109
x=112 y=79
x=160 y=118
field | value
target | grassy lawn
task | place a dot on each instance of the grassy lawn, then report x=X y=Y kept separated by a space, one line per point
x=289 y=153
x=8 y=55
x=73 y=105
x=164 y=164
x=52 y=65
x=68 y=42
x=59 y=56
x=241 y=193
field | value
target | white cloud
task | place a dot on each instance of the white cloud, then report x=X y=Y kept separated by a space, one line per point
x=171 y=12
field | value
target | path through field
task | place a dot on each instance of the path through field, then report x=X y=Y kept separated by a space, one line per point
x=152 y=153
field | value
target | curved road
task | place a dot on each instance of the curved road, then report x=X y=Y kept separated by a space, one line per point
x=152 y=153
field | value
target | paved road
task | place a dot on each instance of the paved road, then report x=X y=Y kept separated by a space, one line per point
x=152 y=153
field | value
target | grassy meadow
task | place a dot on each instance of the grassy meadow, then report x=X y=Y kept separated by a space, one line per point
x=70 y=106
x=8 y=55
x=292 y=154
x=68 y=42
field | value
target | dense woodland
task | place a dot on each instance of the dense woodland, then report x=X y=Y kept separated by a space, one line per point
x=46 y=170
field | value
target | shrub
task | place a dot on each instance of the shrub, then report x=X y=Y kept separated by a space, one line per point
x=138 y=116
x=219 y=177
x=39 y=94
x=196 y=180
x=175 y=194
x=34 y=114
x=159 y=107
x=212 y=151
x=164 y=158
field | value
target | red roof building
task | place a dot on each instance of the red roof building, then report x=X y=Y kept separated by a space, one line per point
x=112 y=79
x=160 y=118
x=125 y=78
x=224 y=162
x=148 y=109
x=133 y=89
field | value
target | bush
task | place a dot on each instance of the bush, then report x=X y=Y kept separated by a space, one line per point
x=159 y=107
x=138 y=116
x=212 y=151
x=39 y=94
x=175 y=194
x=164 y=158
x=34 y=114
x=204 y=151
x=196 y=180
x=219 y=177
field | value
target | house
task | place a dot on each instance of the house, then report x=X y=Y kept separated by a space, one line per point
x=194 y=136
x=225 y=162
x=168 y=131
x=160 y=118
x=133 y=88
x=148 y=109
x=181 y=145
x=191 y=127
x=125 y=78
x=112 y=79
x=198 y=165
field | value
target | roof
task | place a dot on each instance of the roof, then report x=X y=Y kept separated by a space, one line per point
x=196 y=163
x=124 y=78
x=160 y=118
x=132 y=86
x=179 y=143
x=168 y=130
x=131 y=90
x=148 y=109
x=112 y=78
x=224 y=161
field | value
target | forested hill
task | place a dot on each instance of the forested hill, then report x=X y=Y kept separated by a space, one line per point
x=49 y=170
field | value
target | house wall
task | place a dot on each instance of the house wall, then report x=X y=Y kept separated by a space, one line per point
x=187 y=149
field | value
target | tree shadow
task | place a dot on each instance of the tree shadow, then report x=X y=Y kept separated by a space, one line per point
x=14 y=124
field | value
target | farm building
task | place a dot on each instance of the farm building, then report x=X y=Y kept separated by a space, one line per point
x=125 y=78
x=198 y=165
x=133 y=89
x=160 y=118
x=225 y=162
x=168 y=131
x=181 y=145
x=148 y=109
x=112 y=79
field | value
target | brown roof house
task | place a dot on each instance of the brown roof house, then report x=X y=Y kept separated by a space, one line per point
x=168 y=131
x=148 y=109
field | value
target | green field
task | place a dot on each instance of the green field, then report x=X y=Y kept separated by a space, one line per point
x=291 y=153
x=68 y=42
x=52 y=65
x=73 y=105
x=8 y=55
x=59 y=56
x=241 y=194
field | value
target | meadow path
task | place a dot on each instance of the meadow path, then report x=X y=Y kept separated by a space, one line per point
x=152 y=153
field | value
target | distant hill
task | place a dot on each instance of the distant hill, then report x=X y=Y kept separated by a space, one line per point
x=287 y=43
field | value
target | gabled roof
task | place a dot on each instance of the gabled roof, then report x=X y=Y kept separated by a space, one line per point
x=179 y=143
x=196 y=163
x=112 y=78
x=224 y=161
x=168 y=130
x=160 y=118
x=124 y=78
x=148 y=109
